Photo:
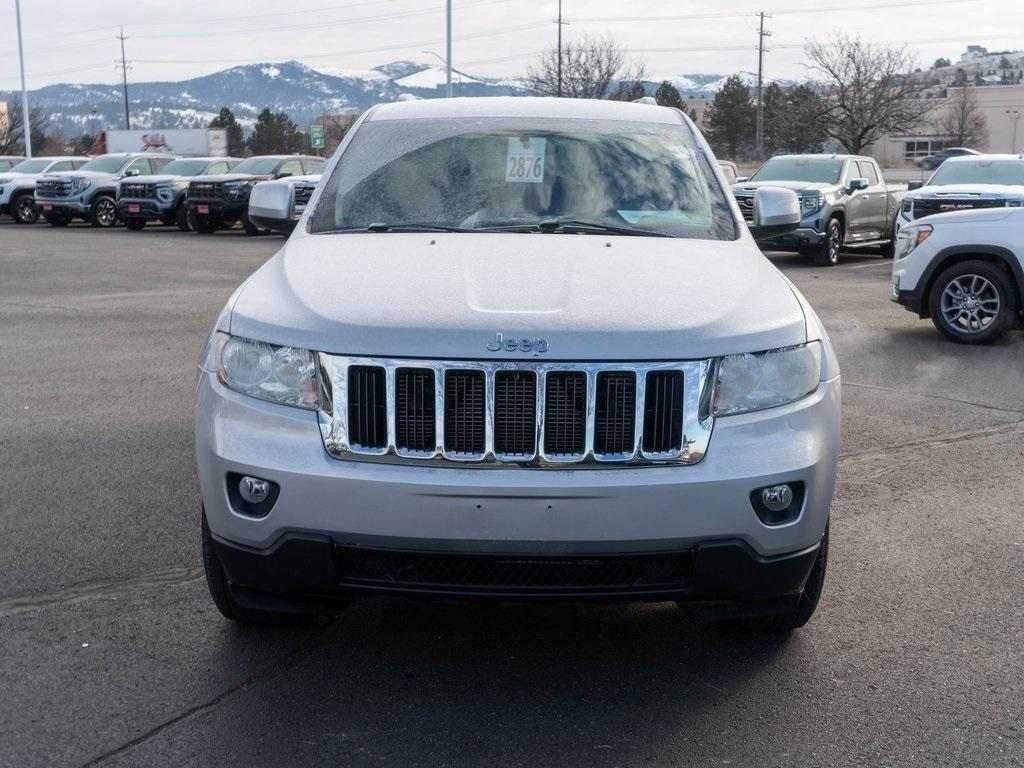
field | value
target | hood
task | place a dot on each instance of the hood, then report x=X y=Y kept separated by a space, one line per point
x=14 y=176
x=796 y=186
x=233 y=177
x=157 y=179
x=974 y=216
x=591 y=297
x=92 y=175
x=968 y=190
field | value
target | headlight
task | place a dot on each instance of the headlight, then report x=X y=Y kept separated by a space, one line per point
x=286 y=375
x=237 y=190
x=79 y=185
x=165 y=192
x=753 y=382
x=910 y=237
x=810 y=203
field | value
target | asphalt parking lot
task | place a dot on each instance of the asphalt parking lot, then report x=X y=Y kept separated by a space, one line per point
x=111 y=652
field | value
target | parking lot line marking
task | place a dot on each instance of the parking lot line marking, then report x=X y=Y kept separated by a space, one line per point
x=885 y=263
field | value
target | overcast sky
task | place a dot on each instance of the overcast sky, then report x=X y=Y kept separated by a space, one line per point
x=68 y=41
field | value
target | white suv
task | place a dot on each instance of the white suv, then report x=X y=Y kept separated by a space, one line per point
x=965 y=270
x=515 y=349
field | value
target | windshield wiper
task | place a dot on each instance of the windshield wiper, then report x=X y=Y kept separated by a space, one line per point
x=575 y=225
x=384 y=227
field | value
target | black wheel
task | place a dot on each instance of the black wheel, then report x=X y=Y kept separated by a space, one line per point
x=135 y=224
x=181 y=218
x=889 y=249
x=251 y=229
x=827 y=253
x=24 y=210
x=103 y=212
x=800 y=613
x=58 y=221
x=973 y=302
x=202 y=224
x=220 y=591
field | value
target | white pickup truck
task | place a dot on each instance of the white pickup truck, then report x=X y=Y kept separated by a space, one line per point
x=17 y=186
x=520 y=349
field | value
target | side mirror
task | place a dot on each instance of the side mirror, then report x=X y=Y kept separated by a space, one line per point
x=916 y=184
x=741 y=179
x=271 y=204
x=776 y=213
x=284 y=175
x=856 y=185
x=131 y=172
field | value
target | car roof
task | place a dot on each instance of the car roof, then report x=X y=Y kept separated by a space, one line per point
x=524 y=106
x=286 y=157
x=210 y=159
x=984 y=158
x=138 y=154
x=821 y=156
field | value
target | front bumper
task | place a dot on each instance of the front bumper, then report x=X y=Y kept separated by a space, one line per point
x=62 y=207
x=217 y=207
x=148 y=208
x=804 y=237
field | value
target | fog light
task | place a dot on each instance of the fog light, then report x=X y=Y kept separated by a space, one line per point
x=777 y=497
x=255 y=491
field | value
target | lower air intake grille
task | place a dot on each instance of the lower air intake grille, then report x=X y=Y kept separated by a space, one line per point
x=464 y=412
x=468 y=573
x=565 y=413
x=414 y=409
x=616 y=412
x=515 y=413
x=367 y=407
x=663 y=412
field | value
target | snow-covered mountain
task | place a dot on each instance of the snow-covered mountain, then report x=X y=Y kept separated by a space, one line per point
x=303 y=92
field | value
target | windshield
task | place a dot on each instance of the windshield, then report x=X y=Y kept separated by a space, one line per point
x=816 y=170
x=1009 y=172
x=257 y=166
x=30 y=166
x=518 y=172
x=184 y=167
x=106 y=164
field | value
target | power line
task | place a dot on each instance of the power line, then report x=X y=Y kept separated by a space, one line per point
x=759 y=129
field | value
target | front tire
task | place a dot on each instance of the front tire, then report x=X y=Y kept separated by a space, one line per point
x=973 y=302
x=24 y=210
x=251 y=229
x=58 y=221
x=103 y=212
x=827 y=253
x=181 y=218
x=135 y=225
x=202 y=224
x=800 y=613
x=220 y=591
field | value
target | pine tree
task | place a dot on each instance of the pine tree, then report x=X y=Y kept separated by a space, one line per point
x=226 y=119
x=275 y=134
x=667 y=95
x=730 y=119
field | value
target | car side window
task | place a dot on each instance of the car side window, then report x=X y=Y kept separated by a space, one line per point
x=867 y=171
x=294 y=167
x=215 y=168
x=141 y=166
x=312 y=166
x=63 y=165
x=850 y=173
x=80 y=163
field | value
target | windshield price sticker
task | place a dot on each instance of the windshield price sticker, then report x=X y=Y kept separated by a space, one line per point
x=525 y=160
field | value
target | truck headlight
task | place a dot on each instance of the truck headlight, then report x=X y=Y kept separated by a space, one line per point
x=753 y=382
x=237 y=190
x=285 y=375
x=810 y=203
x=79 y=185
x=909 y=238
x=165 y=192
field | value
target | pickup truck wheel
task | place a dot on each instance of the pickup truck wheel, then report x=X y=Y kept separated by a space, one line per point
x=800 y=613
x=251 y=229
x=203 y=225
x=181 y=218
x=973 y=303
x=24 y=209
x=827 y=254
x=889 y=249
x=220 y=591
x=103 y=212
x=135 y=224
x=58 y=221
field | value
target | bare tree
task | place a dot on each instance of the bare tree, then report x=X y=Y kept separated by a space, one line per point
x=11 y=141
x=869 y=90
x=592 y=67
x=963 y=123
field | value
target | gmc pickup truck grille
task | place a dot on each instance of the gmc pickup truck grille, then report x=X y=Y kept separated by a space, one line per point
x=928 y=206
x=527 y=414
x=302 y=194
x=205 y=189
x=53 y=187
x=137 y=190
x=746 y=204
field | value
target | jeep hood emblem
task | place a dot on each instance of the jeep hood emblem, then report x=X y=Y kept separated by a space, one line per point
x=500 y=343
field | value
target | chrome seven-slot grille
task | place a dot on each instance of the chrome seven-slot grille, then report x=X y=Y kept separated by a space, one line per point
x=516 y=413
x=746 y=204
x=199 y=189
x=53 y=187
x=302 y=194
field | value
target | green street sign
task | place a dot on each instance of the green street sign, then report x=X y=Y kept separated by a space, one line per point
x=316 y=136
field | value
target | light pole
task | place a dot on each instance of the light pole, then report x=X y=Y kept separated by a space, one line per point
x=26 y=128
x=448 y=58
x=1014 y=115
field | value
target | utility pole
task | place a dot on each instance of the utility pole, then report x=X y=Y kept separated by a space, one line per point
x=559 y=22
x=448 y=58
x=26 y=128
x=124 y=80
x=759 y=131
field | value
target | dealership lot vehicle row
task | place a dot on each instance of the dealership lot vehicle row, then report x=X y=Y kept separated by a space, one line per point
x=129 y=575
